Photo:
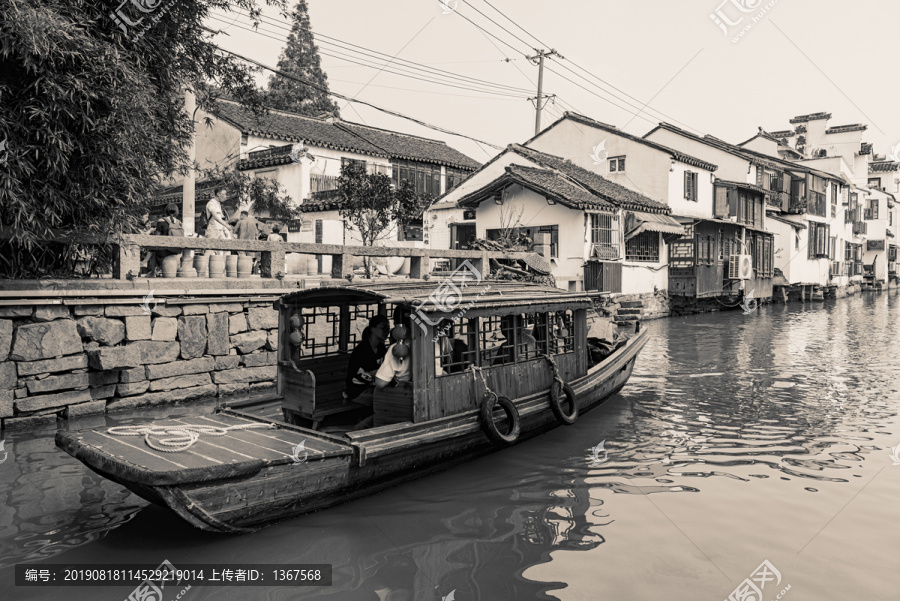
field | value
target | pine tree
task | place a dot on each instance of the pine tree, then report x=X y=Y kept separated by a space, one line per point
x=300 y=58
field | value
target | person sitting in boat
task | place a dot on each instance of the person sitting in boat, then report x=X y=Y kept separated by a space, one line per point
x=450 y=352
x=518 y=341
x=365 y=360
x=397 y=361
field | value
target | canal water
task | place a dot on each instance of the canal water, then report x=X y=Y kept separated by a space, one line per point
x=741 y=439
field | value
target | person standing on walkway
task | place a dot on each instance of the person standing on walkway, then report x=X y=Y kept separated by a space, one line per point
x=217 y=228
x=248 y=228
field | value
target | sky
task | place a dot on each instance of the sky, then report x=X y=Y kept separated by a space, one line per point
x=656 y=60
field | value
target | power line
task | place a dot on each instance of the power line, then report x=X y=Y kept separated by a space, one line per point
x=645 y=105
x=564 y=77
x=342 y=97
x=498 y=24
x=528 y=33
x=350 y=47
x=264 y=32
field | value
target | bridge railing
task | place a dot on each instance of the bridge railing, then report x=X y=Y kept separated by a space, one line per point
x=272 y=262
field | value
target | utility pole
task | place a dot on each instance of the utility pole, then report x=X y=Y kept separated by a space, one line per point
x=538 y=104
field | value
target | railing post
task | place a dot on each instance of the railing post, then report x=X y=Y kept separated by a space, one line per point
x=271 y=261
x=128 y=260
x=415 y=268
x=341 y=266
x=482 y=264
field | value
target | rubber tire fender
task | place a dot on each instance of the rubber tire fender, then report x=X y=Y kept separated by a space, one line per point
x=487 y=419
x=556 y=403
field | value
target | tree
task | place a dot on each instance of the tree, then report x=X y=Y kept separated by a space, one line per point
x=373 y=206
x=91 y=111
x=300 y=58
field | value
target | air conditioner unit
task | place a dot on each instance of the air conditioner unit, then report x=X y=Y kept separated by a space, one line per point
x=740 y=267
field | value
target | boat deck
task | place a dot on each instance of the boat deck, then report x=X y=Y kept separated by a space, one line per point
x=235 y=452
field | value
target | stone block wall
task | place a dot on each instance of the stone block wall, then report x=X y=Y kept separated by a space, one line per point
x=71 y=361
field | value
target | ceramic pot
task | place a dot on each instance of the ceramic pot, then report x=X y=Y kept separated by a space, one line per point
x=244 y=266
x=170 y=266
x=217 y=266
x=201 y=264
x=231 y=266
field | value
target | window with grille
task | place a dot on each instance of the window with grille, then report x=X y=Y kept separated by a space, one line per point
x=456 y=347
x=690 y=186
x=835 y=192
x=819 y=235
x=424 y=177
x=643 y=247
x=605 y=236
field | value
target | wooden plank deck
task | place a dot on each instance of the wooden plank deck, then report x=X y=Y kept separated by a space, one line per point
x=211 y=456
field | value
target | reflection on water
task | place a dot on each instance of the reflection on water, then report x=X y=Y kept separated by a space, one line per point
x=739 y=437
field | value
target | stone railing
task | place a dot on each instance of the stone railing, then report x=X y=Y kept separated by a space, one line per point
x=273 y=254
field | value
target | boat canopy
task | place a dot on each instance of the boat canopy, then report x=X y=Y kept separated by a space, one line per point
x=446 y=296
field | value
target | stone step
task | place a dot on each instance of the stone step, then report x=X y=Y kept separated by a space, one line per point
x=629 y=311
x=626 y=318
x=631 y=304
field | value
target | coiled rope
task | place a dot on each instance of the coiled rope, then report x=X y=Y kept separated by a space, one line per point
x=181 y=437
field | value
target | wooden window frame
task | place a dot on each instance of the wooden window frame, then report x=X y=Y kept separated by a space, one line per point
x=616 y=164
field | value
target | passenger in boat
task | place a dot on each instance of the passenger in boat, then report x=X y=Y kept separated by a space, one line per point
x=450 y=353
x=366 y=359
x=513 y=329
x=396 y=369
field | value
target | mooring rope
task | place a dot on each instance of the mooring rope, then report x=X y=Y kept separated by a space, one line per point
x=181 y=437
x=555 y=367
x=480 y=371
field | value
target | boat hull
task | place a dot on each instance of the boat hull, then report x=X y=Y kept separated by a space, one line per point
x=381 y=458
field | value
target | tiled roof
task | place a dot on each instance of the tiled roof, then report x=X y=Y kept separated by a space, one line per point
x=415 y=148
x=770 y=214
x=747 y=153
x=883 y=166
x=295 y=128
x=551 y=184
x=841 y=129
x=327 y=204
x=742 y=185
x=810 y=117
x=597 y=184
x=785 y=133
x=675 y=154
x=279 y=155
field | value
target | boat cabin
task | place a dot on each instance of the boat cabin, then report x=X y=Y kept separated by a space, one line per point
x=463 y=334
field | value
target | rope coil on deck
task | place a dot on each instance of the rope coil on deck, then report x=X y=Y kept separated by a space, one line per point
x=181 y=438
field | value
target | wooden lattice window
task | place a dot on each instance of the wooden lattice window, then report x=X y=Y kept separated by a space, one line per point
x=643 y=247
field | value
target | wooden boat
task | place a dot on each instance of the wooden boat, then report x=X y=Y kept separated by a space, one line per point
x=256 y=470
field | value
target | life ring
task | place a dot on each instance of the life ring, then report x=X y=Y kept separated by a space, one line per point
x=492 y=399
x=556 y=404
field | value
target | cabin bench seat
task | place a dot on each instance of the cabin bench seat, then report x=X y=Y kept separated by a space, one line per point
x=314 y=390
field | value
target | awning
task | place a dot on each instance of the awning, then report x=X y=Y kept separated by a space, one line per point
x=636 y=223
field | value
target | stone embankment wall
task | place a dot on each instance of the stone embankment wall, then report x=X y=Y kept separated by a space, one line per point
x=71 y=361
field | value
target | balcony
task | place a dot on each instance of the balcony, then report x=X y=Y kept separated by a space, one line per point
x=860 y=227
x=870 y=214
